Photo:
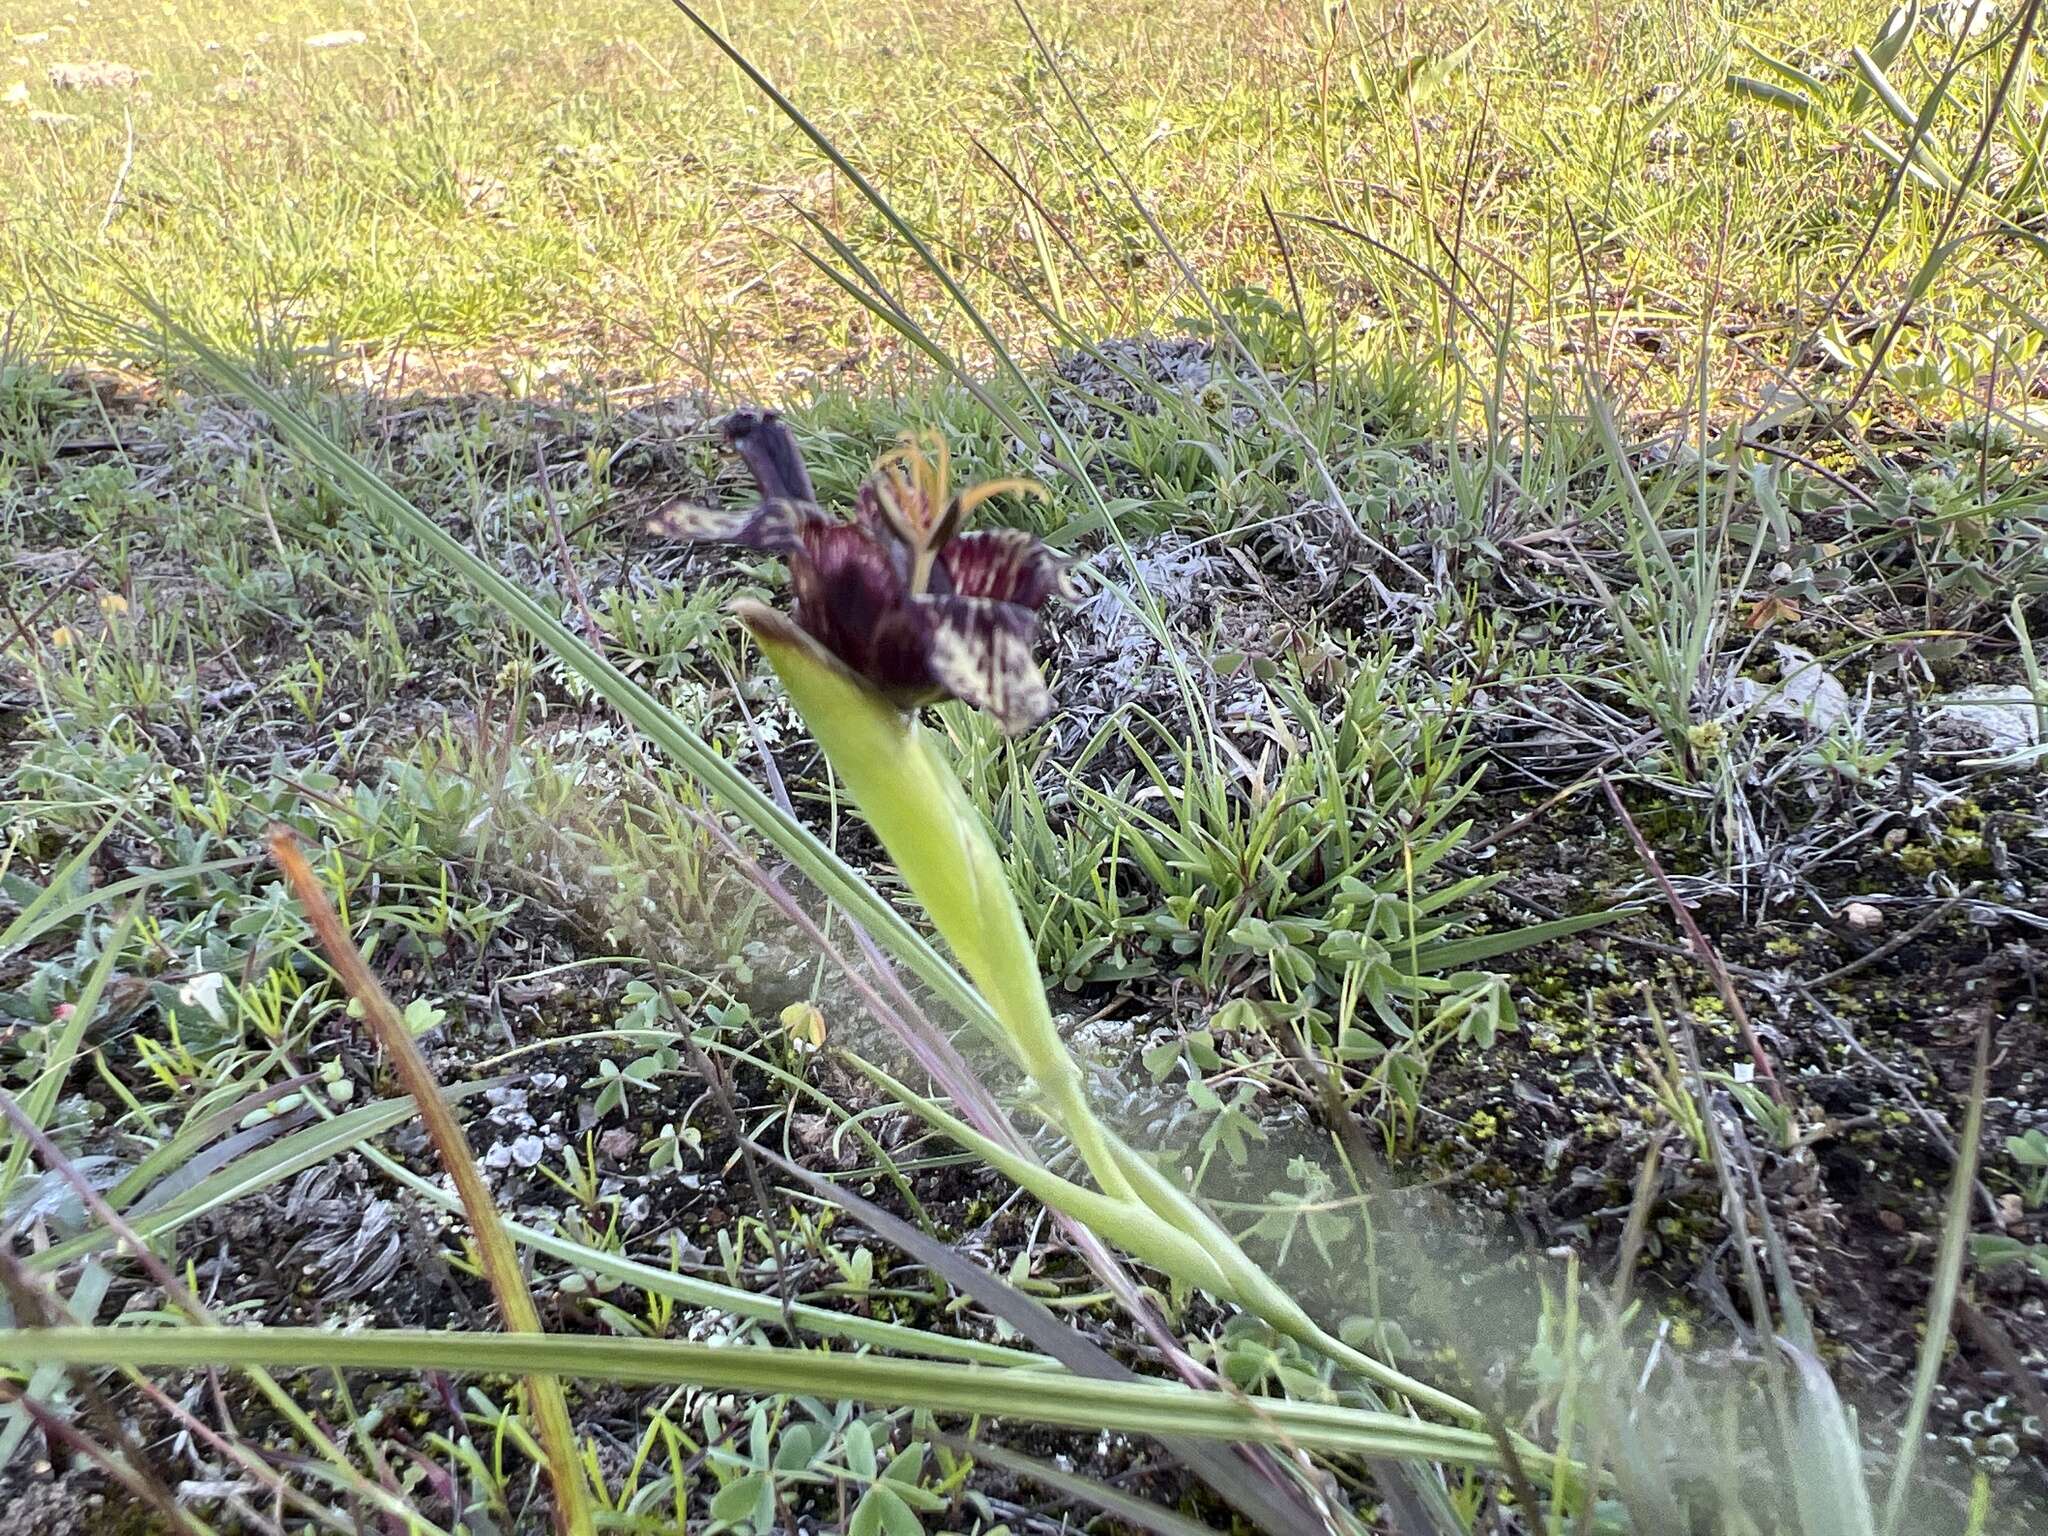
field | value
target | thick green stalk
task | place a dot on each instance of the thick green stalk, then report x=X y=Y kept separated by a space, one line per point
x=926 y=824
x=1127 y=1222
x=936 y=838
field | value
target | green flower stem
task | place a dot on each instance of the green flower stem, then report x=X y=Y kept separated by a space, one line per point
x=1129 y=1223
x=925 y=822
x=1257 y=1292
x=921 y=814
x=1177 y=1236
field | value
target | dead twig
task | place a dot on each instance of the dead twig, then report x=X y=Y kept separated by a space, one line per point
x=1703 y=951
x=498 y=1258
x=592 y=630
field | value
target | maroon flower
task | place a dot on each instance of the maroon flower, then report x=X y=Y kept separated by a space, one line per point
x=900 y=595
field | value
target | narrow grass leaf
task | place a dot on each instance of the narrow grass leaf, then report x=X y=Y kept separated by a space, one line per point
x=499 y=1260
x=1809 y=85
x=30 y=921
x=817 y=1321
x=34 y=921
x=1827 y=1474
x=207 y=1142
x=1796 y=102
x=1463 y=953
x=271 y=1164
x=1879 y=82
x=1933 y=177
x=1130 y=1407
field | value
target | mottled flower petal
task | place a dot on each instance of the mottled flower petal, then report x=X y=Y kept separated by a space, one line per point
x=873 y=519
x=898 y=597
x=775 y=526
x=980 y=652
x=1005 y=564
x=765 y=443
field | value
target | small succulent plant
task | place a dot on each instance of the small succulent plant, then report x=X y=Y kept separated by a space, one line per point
x=900 y=596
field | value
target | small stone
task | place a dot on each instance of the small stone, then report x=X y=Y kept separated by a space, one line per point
x=482 y=193
x=2011 y=1211
x=95 y=75
x=1891 y=1221
x=1863 y=917
x=347 y=38
x=2003 y=717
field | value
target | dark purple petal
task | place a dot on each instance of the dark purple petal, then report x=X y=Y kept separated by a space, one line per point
x=774 y=526
x=860 y=587
x=979 y=651
x=845 y=585
x=1005 y=564
x=770 y=452
x=900 y=660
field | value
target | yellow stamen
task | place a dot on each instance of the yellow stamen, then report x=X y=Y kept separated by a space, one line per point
x=914 y=482
x=974 y=497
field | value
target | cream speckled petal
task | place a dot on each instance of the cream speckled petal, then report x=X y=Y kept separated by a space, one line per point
x=980 y=652
x=774 y=526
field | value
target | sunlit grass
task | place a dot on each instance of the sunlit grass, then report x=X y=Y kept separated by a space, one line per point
x=553 y=193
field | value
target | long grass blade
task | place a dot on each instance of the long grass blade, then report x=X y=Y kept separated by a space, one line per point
x=1827 y=1476
x=1462 y=953
x=37 y=919
x=270 y=1164
x=31 y=920
x=1130 y=1407
x=819 y=1322
x=1795 y=102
